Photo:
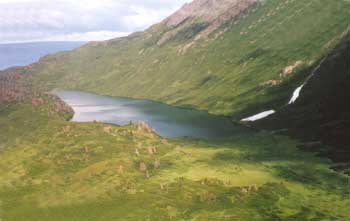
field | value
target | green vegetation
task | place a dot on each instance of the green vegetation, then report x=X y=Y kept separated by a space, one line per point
x=52 y=169
x=224 y=74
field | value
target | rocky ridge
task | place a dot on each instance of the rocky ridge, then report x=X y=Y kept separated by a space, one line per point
x=205 y=16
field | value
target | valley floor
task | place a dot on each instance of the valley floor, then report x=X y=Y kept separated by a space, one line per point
x=52 y=169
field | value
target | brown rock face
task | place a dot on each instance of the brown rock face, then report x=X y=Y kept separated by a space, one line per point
x=143 y=126
x=211 y=12
x=290 y=69
x=208 y=10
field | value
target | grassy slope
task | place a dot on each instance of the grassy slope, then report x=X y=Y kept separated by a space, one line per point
x=57 y=170
x=222 y=75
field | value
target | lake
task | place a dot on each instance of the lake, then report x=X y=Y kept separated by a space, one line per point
x=168 y=121
x=19 y=54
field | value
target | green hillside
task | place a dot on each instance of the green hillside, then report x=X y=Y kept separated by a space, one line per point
x=237 y=68
x=52 y=169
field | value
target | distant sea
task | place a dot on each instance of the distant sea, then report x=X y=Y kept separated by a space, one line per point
x=19 y=54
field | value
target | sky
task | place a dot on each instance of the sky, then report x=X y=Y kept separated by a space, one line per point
x=79 y=20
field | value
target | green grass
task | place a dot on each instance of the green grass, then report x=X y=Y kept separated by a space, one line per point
x=59 y=170
x=222 y=75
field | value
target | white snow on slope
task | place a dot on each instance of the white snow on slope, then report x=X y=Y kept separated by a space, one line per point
x=296 y=94
x=259 y=116
x=297 y=91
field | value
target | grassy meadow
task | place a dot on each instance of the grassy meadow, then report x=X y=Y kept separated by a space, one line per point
x=53 y=169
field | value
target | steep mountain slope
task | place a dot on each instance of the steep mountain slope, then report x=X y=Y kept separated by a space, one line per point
x=225 y=56
x=322 y=112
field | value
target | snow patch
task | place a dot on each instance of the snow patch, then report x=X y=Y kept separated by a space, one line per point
x=259 y=116
x=296 y=94
x=297 y=91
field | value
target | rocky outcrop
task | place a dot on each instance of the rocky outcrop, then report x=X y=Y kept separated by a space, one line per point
x=271 y=83
x=144 y=127
x=208 y=11
x=291 y=69
x=209 y=14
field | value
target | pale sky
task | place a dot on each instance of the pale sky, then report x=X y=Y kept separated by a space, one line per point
x=79 y=20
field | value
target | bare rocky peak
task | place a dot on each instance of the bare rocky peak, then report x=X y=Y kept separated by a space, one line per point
x=205 y=10
x=211 y=12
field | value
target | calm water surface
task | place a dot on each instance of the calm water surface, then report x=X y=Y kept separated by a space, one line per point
x=19 y=54
x=168 y=121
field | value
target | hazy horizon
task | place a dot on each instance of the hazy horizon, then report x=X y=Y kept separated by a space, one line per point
x=19 y=54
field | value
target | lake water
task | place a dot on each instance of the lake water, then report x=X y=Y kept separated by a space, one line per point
x=19 y=54
x=168 y=121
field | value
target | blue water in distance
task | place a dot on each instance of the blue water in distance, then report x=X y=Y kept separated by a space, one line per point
x=168 y=121
x=19 y=54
